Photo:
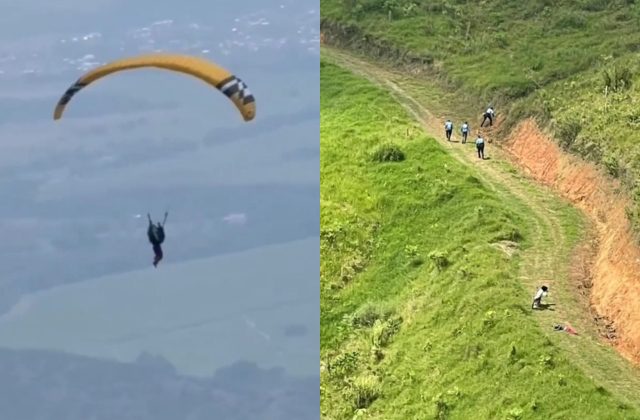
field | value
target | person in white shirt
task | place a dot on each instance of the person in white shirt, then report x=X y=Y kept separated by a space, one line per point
x=448 y=128
x=465 y=131
x=488 y=115
x=480 y=146
x=537 y=299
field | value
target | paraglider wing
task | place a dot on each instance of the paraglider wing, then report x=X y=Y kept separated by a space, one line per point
x=234 y=88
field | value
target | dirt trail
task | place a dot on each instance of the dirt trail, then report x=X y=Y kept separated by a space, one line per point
x=543 y=261
x=615 y=274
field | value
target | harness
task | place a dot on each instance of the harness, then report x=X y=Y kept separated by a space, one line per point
x=156 y=234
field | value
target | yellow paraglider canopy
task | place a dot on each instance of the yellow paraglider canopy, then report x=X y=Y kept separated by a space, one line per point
x=234 y=88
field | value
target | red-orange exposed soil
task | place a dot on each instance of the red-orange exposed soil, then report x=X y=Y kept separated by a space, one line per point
x=615 y=274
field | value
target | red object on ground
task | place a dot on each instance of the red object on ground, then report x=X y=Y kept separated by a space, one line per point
x=570 y=330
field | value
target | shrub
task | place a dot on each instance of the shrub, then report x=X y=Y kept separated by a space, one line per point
x=567 y=132
x=411 y=251
x=366 y=389
x=343 y=365
x=569 y=21
x=351 y=267
x=440 y=259
x=613 y=165
x=388 y=152
x=617 y=79
x=515 y=413
x=509 y=234
x=367 y=315
x=442 y=407
x=383 y=331
x=594 y=5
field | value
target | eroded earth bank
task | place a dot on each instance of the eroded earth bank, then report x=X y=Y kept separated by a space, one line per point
x=615 y=267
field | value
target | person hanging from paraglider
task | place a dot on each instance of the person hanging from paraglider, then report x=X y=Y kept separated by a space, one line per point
x=155 y=232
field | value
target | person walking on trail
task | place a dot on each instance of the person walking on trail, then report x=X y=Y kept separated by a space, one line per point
x=155 y=232
x=537 y=299
x=480 y=146
x=448 y=129
x=465 y=131
x=488 y=115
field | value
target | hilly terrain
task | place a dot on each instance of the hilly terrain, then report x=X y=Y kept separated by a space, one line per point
x=430 y=256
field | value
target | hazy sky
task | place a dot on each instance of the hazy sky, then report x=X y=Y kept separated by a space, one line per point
x=150 y=141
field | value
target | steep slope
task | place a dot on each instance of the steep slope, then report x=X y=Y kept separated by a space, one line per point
x=423 y=312
x=564 y=78
x=572 y=64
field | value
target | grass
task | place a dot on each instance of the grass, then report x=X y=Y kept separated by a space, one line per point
x=541 y=58
x=422 y=315
x=601 y=126
x=500 y=47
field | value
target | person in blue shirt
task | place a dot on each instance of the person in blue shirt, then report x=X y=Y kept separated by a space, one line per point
x=465 y=131
x=480 y=146
x=448 y=129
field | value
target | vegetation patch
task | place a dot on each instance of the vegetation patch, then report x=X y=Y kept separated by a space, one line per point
x=573 y=65
x=453 y=336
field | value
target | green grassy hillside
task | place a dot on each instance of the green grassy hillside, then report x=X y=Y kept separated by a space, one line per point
x=573 y=64
x=422 y=311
